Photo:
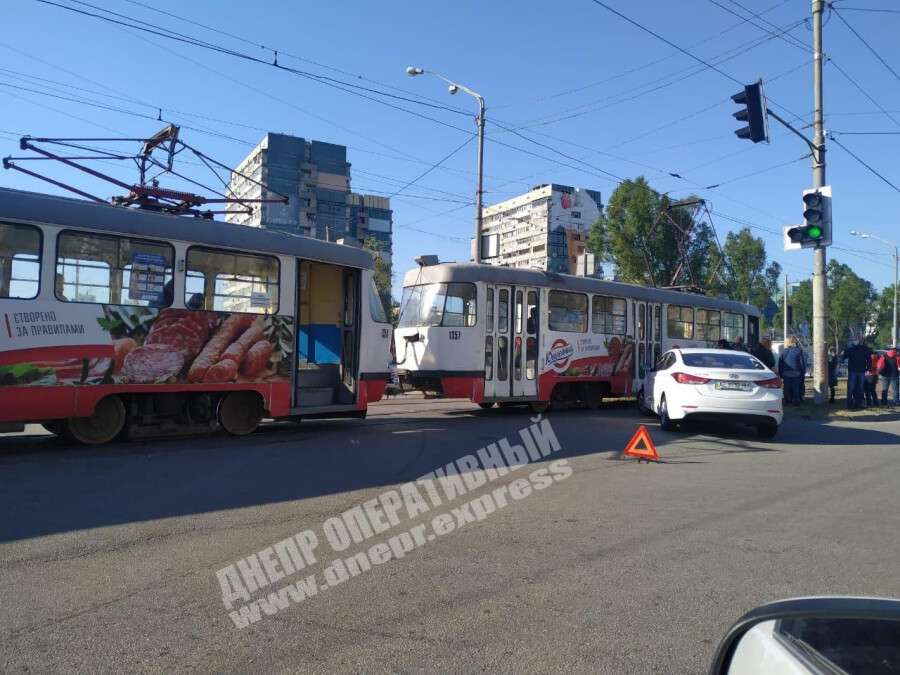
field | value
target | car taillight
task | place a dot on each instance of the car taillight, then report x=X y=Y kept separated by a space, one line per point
x=774 y=383
x=684 y=378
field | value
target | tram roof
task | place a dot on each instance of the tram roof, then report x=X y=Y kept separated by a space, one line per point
x=518 y=276
x=67 y=212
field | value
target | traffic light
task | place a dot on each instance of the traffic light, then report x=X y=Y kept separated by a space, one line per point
x=816 y=228
x=754 y=114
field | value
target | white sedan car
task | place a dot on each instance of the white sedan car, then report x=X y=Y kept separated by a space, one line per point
x=713 y=385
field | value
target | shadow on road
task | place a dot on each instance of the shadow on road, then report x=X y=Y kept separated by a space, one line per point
x=47 y=487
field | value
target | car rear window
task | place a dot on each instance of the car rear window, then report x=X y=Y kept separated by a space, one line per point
x=736 y=361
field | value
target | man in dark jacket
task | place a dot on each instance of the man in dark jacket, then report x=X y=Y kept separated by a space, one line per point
x=858 y=359
x=763 y=351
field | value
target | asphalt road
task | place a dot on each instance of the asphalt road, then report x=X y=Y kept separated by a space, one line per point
x=108 y=556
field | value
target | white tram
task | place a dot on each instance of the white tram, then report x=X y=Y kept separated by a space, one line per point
x=115 y=319
x=510 y=335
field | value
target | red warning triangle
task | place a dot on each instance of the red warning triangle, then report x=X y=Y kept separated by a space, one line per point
x=641 y=446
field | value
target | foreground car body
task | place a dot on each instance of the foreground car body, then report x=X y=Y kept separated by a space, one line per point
x=713 y=385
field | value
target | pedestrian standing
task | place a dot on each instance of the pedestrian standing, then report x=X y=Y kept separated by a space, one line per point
x=887 y=375
x=739 y=344
x=762 y=350
x=832 y=372
x=790 y=366
x=857 y=357
x=871 y=380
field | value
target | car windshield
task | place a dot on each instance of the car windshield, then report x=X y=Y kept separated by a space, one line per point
x=735 y=361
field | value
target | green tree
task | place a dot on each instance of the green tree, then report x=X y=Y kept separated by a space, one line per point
x=631 y=233
x=384 y=274
x=884 y=317
x=851 y=302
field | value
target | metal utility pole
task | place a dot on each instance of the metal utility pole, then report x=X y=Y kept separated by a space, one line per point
x=820 y=288
x=784 y=338
x=453 y=88
x=479 y=192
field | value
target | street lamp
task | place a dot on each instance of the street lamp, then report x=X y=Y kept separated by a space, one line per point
x=863 y=235
x=454 y=87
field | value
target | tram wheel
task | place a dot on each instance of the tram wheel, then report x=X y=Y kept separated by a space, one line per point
x=487 y=405
x=102 y=426
x=240 y=412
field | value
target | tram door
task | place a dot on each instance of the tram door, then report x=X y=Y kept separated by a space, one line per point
x=641 y=339
x=524 y=341
x=654 y=316
x=511 y=341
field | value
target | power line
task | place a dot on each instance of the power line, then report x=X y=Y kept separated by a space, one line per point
x=868 y=9
x=631 y=71
x=866 y=43
x=863 y=162
x=179 y=37
x=432 y=167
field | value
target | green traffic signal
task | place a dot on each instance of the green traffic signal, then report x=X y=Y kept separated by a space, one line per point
x=814 y=232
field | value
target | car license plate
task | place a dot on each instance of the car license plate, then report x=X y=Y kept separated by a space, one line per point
x=734 y=386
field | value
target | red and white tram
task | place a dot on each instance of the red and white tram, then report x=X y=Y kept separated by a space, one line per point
x=509 y=335
x=115 y=319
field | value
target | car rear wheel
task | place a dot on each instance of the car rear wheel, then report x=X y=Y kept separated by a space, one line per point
x=767 y=429
x=665 y=422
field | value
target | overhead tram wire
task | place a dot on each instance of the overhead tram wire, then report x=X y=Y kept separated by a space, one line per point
x=650 y=87
x=635 y=69
x=432 y=167
x=280 y=52
x=180 y=37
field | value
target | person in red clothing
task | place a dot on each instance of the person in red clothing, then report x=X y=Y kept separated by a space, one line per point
x=888 y=369
x=871 y=381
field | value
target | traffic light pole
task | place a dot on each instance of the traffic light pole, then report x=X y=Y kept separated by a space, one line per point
x=820 y=288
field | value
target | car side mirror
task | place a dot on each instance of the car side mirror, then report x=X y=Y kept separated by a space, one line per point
x=813 y=635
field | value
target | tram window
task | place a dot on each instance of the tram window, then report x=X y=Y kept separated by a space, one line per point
x=530 y=358
x=708 y=322
x=519 y=310
x=489 y=357
x=20 y=261
x=732 y=326
x=531 y=323
x=438 y=305
x=568 y=311
x=222 y=281
x=608 y=315
x=490 y=310
x=459 y=307
x=113 y=270
x=642 y=322
x=656 y=323
x=517 y=357
x=376 y=307
x=680 y=322
x=502 y=356
x=503 y=311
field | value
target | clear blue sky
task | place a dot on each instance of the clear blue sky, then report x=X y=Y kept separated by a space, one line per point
x=533 y=62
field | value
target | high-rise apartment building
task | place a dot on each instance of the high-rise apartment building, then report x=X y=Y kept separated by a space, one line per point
x=315 y=176
x=545 y=228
